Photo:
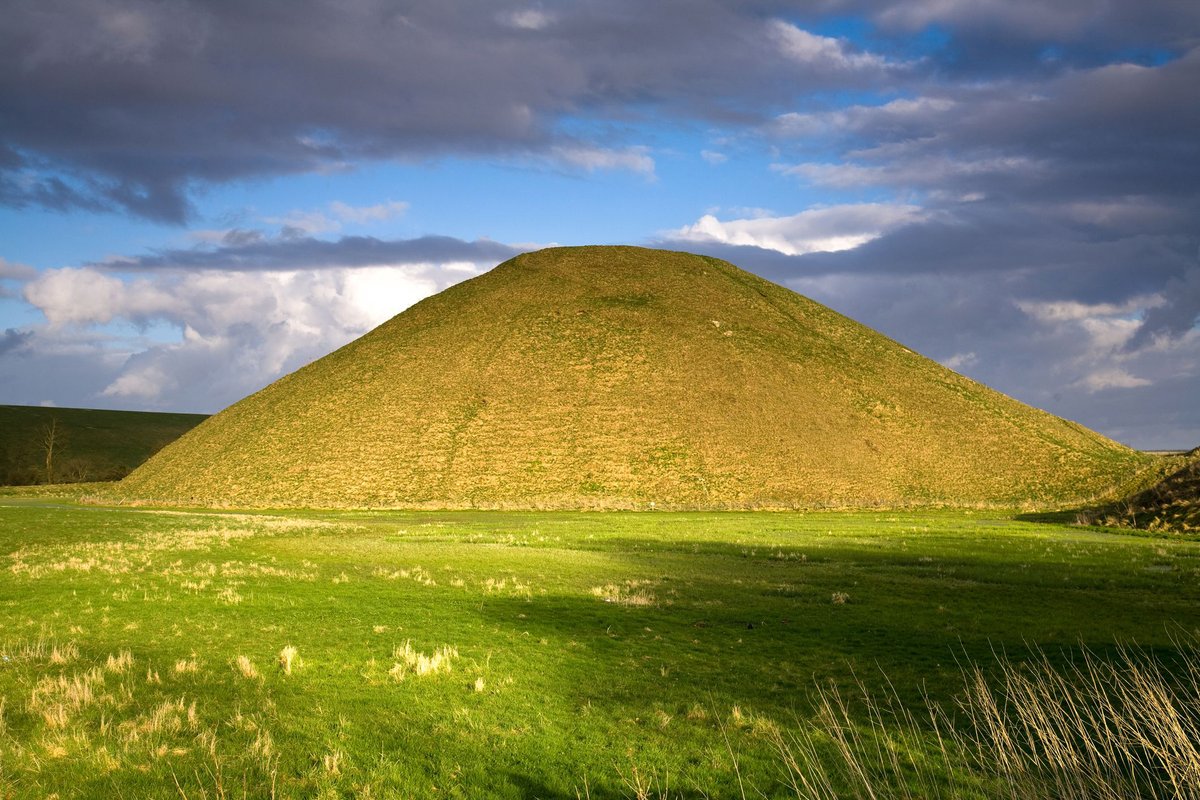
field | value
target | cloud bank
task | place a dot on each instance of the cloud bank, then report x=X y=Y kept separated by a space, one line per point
x=201 y=328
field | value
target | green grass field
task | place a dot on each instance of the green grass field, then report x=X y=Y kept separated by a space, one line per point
x=519 y=654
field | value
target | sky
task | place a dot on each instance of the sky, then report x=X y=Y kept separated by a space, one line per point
x=199 y=197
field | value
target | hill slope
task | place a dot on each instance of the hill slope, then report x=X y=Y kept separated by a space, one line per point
x=92 y=444
x=618 y=377
x=1170 y=504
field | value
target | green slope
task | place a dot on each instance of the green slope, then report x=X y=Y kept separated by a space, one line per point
x=619 y=377
x=1171 y=503
x=90 y=444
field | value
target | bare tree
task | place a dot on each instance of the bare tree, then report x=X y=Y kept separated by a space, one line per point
x=52 y=439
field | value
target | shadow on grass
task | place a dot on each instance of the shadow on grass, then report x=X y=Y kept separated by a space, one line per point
x=1068 y=517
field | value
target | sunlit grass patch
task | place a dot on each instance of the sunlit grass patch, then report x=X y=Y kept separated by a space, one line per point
x=416 y=574
x=229 y=596
x=627 y=593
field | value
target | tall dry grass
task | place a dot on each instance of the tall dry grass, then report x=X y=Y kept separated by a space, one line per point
x=1101 y=728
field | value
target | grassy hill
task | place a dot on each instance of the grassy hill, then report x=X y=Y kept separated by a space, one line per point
x=620 y=377
x=89 y=444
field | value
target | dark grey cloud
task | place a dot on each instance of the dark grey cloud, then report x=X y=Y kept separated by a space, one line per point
x=245 y=251
x=1065 y=356
x=1093 y=322
x=1081 y=186
x=1052 y=258
x=12 y=339
x=1115 y=132
x=1177 y=315
x=62 y=379
x=1007 y=36
x=127 y=103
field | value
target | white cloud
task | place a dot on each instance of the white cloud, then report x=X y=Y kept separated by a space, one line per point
x=307 y=223
x=920 y=114
x=839 y=176
x=820 y=229
x=635 y=159
x=960 y=361
x=316 y=222
x=85 y=296
x=146 y=383
x=926 y=171
x=529 y=19
x=362 y=215
x=713 y=157
x=1101 y=332
x=1110 y=378
x=238 y=331
x=1073 y=310
x=821 y=52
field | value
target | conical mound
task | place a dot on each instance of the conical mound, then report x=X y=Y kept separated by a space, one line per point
x=620 y=377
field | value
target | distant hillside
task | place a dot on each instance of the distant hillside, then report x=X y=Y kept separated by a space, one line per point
x=88 y=444
x=1171 y=504
x=620 y=377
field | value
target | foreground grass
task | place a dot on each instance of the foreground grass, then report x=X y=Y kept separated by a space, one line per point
x=155 y=653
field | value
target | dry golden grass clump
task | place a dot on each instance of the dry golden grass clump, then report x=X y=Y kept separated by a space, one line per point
x=246 y=667
x=411 y=661
x=1101 y=729
x=621 y=377
x=627 y=593
x=289 y=658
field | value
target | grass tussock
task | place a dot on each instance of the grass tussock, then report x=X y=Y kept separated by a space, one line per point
x=187 y=666
x=56 y=698
x=289 y=659
x=246 y=668
x=1102 y=729
x=64 y=654
x=119 y=663
x=411 y=661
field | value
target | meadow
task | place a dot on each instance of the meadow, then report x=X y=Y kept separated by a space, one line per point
x=189 y=654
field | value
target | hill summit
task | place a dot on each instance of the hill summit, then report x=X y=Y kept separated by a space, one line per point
x=622 y=377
